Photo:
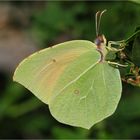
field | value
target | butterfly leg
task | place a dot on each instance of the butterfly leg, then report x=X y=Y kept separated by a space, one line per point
x=117 y=43
x=116 y=64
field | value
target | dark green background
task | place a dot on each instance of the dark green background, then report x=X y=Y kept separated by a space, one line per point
x=24 y=116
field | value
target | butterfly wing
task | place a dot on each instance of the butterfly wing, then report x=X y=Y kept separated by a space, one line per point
x=41 y=71
x=79 y=90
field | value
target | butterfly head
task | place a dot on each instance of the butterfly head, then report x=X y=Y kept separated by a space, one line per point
x=100 y=39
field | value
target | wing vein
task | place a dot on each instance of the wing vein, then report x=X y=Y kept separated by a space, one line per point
x=61 y=90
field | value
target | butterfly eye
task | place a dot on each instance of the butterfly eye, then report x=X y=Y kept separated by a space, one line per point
x=97 y=41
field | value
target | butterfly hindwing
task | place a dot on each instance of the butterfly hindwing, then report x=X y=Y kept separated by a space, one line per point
x=90 y=98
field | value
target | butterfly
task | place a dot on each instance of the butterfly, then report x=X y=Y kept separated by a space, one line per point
x=74 y=79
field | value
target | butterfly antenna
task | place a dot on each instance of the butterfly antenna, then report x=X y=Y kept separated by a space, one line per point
x=98 y=20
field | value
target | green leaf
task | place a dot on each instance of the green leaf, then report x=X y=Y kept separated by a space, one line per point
x=136 y=50
x=132 y=48
x=70 y=78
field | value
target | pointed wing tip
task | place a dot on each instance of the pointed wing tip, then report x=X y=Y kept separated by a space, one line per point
x=14 y=75
x=86 y=127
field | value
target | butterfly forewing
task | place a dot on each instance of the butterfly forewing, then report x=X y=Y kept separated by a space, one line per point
x=41 y=71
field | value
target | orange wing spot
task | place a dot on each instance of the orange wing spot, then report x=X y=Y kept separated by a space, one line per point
x=54 y=60
x=76 y=91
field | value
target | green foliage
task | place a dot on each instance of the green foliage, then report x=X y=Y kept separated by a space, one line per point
x=136 y=50
x=132 y=48
x=130 y=55
x=136 y=1
x=62 y=21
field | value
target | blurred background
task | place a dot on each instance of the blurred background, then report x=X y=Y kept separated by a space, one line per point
x=26 y=27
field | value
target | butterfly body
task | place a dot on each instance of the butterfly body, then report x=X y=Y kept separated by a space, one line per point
x=100 y=42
